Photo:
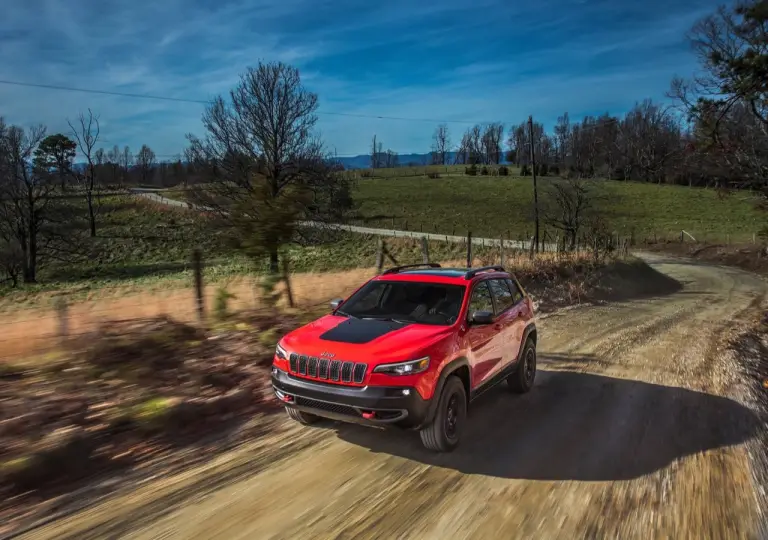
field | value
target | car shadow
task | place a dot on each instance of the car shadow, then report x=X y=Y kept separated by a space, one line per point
x=577 y=426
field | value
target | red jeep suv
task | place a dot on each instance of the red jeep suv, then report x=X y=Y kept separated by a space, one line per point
x=411 y=348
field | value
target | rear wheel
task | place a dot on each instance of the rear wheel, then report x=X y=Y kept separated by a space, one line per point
x=301 y=417
x=444 y=433
x=521 y=381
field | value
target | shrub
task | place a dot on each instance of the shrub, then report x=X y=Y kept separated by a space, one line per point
x=554 y=170
x=503 y=170
x=433 y=175
x=366 y=173
x=471 y=170
x=484 y=171
x=221 y=303
x=525 y=171
x=543 y=169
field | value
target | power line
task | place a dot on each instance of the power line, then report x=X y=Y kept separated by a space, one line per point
x=206 y=102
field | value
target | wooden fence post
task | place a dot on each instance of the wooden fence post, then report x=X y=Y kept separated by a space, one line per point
x=62 y=312
x=469 y=249
x=197 y=264
x=501 y=251
x=425 y=250
x=380 y=256
x=287 y=280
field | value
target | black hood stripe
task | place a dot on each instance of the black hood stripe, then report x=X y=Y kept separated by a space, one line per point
x=360 y=330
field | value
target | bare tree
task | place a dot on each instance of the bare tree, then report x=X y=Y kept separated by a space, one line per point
x=87 y=135
x=145 y=161
x=568 y=205
x=126 y=162
x=727 y=99
x=267 y=169
x=490 y=143
x=24 y=199
x=391 y=159
x=113 y=162
x=441 y=145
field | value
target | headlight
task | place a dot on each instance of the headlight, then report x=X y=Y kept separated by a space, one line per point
x=404 y=368
x=281 y=353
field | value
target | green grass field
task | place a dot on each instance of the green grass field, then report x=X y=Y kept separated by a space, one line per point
x=148 y=246
x=492 y=206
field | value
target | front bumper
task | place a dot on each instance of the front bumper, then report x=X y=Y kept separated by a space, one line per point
x=369 y=405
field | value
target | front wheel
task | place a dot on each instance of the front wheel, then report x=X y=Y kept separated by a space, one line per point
x=444 y=433
x=521 y=381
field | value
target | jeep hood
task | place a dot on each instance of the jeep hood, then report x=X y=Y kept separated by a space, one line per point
x=363 y=340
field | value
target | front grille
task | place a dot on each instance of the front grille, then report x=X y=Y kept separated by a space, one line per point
x=323 y=406
x=359 y=374
x=322 y=368
x=346 y=372
x=303 y=364
x=335 y=369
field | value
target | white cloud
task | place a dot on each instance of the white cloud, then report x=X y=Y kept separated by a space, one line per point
x=195 y=50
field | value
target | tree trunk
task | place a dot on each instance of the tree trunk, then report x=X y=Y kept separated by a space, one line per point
x=274 y=267
x=30 y=270
x=91 y=214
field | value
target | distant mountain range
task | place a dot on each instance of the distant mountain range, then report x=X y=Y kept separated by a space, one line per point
x=363 y=161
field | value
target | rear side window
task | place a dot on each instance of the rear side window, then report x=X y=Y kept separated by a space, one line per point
x=517 y=294
x=481 y=299
x=502 y=294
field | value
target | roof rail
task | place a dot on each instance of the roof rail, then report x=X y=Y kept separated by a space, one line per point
x=474 y=272
x=397 y=269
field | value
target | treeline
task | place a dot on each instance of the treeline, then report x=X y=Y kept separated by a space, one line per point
x=715 y=133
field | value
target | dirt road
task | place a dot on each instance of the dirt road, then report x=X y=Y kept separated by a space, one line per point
x=634 y=430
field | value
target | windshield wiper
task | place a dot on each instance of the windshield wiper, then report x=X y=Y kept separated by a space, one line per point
x=387 y=319
x=345 y=314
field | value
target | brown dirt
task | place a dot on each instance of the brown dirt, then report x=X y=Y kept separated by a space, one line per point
x=34 y=331
x=636 y=428
x=751 y=257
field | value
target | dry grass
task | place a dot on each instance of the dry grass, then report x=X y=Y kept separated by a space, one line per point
x=34 y=331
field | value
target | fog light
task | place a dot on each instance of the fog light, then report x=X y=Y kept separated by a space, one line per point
x=406 y=392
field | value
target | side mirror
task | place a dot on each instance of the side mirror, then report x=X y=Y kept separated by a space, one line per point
x=482 y=317
x=336 y=303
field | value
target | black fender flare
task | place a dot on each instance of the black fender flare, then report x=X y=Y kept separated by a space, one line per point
x=530 y=329
x=449 y=369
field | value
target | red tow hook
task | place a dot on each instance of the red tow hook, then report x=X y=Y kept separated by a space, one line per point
x=369 y=415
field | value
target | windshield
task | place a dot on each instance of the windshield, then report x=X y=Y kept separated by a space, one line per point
x=406 y=301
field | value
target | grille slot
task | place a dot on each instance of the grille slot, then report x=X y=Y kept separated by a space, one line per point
x=335 y=370
x=346 y=372
x=312 y=367
x=359 y=372
x=303 y=364
x=323 y=406
x=323 y=368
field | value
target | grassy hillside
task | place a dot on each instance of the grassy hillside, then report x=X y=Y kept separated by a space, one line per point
x=146 y=245
x=491 y=206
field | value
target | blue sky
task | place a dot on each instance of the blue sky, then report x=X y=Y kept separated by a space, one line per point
x=481 y=60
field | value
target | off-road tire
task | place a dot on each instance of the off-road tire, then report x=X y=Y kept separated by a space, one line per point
x=521 y=381
x=301 y=417
x=444 y=433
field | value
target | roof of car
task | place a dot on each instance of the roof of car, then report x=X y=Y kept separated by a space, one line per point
x=438 y=275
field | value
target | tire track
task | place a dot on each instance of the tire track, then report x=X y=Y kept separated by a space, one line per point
x=618 y=439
